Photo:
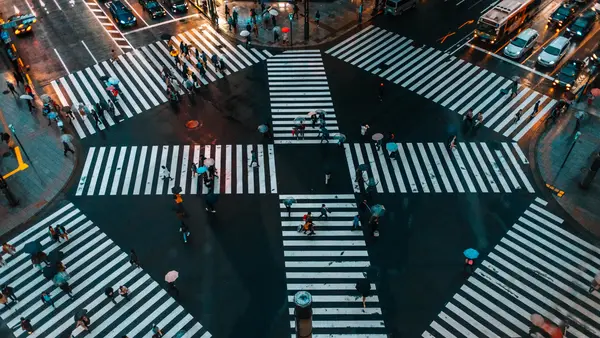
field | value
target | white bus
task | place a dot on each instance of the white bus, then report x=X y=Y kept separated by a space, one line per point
x=504 y=18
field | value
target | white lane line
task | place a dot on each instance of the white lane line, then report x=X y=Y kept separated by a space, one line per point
x=484 y=167
x=228 y=161
x=373 y=165
x=140 y=171
x=96 y=171
x=130 y=164
x=207 y=149
x=85 y=171
x=261 y=169
x=463 y=169
x=151 y=171
x=417 y=165
x=217 y=184
x=429 y=168
x=474 y=170
x=439 y=166
x=409 y=175
x=89 y=51
x=495 y=167
x=250 y=169
x=451 y=168
x=272 y=171
x=185 y=158
x=173 y=169
x=161 y=24
x=106 y=176
x=386 y=172
x=239 y=169
x=163 y=163
x=348 y=153
x=520 y=172
x=195 y=177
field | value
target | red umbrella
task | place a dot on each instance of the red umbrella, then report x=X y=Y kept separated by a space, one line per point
x=596 y=91
x=285 y=29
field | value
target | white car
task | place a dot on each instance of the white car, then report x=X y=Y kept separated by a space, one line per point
x=523 y=43
x=554 y=51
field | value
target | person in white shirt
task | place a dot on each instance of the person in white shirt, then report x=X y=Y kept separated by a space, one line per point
x=363 y=129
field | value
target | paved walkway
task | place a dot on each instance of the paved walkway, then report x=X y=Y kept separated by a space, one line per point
x=49 y=170
x=336 y=18
x=551 y=150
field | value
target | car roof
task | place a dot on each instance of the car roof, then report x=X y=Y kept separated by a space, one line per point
x=526 y=34
x=559 y=42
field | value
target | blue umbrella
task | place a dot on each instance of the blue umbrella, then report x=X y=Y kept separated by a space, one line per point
x=60 y=278
x=377 y=210
x=32 y=247
x=52 y=115
x=471 y=253
x=371 y=182
x=391 y=147
x=202 y=170
x=289 y=201
x=263 y=128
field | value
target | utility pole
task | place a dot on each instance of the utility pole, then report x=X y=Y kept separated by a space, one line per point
x=12 y=129
x=12 y=200
x=291 y=17
x=306 y=20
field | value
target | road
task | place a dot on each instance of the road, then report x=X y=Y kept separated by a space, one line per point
x=242 y=264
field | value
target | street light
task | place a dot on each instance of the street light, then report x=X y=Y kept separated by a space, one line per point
x=291 y=16
x=306 y=19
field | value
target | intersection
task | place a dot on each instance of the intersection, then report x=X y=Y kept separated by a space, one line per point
x=243 y=264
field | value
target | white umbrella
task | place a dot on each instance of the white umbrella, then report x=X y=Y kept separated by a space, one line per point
x=312 y=113
x=244 y=33
x=171 y=276
x=26 y=97
x=273 y=12
x=209 y=162
x=66 y=138
x=377 y=137
x=45 y=98
x=277 y=28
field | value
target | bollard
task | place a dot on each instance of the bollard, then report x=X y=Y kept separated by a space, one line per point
x=303 y=314
x=590 y=173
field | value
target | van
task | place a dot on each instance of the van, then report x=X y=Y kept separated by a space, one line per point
x=397 y=7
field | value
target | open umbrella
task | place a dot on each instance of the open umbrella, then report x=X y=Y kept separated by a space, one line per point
x=289 y=201
x=171 y=276
x=377 y=210
x=312 y=113
x=391 y=146
x=471 y=253
x=104 y=78
x=372 y=182
x=165 y=36
x=298 y=120
x=32 y=247
x=363 y=167
x=174 y=52
x=79 y=313
x=209 y=162
x=285 y=29
x=52 y=115
x=50 y=271
x=45 y=98
x=26 y=97
x=202 y=170
x=263 y=128
x=56 y=256
x=340 y=137
x=61 y=278
x=273 y=12
x=244 y=33
x=113 y=81
x=111 y=88
x=176 y=190
x=537 y=319
x=596 y=91
x=377 y=137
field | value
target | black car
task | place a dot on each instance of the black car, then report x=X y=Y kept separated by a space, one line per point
x=153 y=8
x=562 y=14
x=121 y=14
x=582 y=25
x=180 y=6
x=569 y=73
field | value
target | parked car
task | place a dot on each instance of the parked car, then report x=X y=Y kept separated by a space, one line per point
x=521 y=44
x=582 y=25
x=176 y=6
x=153 y=8
x=121 y=14
x=569 y=73
x=554 y=51
x=564 y=13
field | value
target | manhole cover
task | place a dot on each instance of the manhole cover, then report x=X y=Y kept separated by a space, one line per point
x=192 y=124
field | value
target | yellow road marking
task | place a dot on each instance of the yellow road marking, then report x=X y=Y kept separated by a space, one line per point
x=22 y=165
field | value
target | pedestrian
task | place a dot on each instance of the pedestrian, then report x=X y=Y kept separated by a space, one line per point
x=309 y=226
x=67 y=148
x=274 y=20
x=536 y=107
x=124 y=291
x=84 y=322
x=324 y=135
x=226 y=12
x=301 y=129
x=275 y=36
x=53 y=234
x=327 y=177
x=194 y=170
x=11 y=87
x=363 y=129
x=179 y=204
x=324 y=211
x=594 y=286
x=288 y=206
x=113 y=56
x=26 y=325
x=66 y=289
x=210 y=202
x=317 y=17
x=374 y=224
x=514 y=87
x=452 y=142
x=19 y=78
x=30 y=105
x=9 y=292
x=62 y=232
x=156 y=331
x=172 y=287
x=381 y=91
x=165 y=174
x=222 y=65
x=46 y=299
x=248 y=39
x=253 y=158
x=252 y=16
x=60 y=267
x=356 y=222
x=2 y=261
x=133 y=259
x=378 y=145
x=9 y=249
x=4 y=300
x=363 y=286
x=578 y=117
x=43 y=257
x=110 y=294
x=469 y=265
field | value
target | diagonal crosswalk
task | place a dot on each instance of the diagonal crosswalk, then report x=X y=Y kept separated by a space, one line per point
x=452 y=82
x=136 y=170
x=139 y=71
x=94 y=262
x=430 y=167
x=538 y=267
x=298 y=85
x=328 y=265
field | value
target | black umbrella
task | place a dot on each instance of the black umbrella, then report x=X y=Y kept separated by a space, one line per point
x=176 y=190
x=103 y=104
x=32 y=247
x=165 y=36
x=104 y=78
x=363 y=286
x=79 y=313
x=108 y=291
x=56 y=256
x=50 y=271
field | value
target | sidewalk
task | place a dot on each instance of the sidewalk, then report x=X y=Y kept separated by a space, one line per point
x=49 y=171
x=336 y=18
x=552 y=148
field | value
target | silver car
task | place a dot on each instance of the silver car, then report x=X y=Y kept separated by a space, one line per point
x=523 y=43
x=554 y=51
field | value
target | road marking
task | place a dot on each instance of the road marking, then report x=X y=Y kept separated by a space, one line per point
x=61 y=60
x=161 y=23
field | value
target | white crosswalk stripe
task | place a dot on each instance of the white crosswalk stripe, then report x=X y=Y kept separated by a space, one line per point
x=136 y=170
x=429 y=167
x=538 y=267
x=328 y=265
x=298 y=85
x=94 y=262
x=451 y=82
x=139 y=71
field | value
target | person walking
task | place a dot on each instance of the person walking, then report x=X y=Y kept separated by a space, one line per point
x=309 y=226
x=26 y=325
x=9 y=249
x=194 y=170
x=62 y=232
x=67 y=148
x=53 y=234
x=84 y=322
x=374 y=225
x=165 y=174
x=179 y=204
x=469 y=265
x=47 y=300
x=19 y=78
x=156 y=331
x=4 y=300
x=133 y=259
x=2 y=261
x=327 y=177
x=171 y=287
x=9 y=292
x=356 y=222
x=381 y=91
x=226 y=12
x=288 y=206
x=66 y=289
x=363 y=286
x=110 y=294
x=363 y=129
x=253 y=158
x=595 y=285
x=210 y=202
x=11 y=87
x=124 y=292
x=324 y=211
x=317 y=17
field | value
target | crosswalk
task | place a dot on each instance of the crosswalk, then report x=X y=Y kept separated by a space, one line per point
x=432 y=168
x=328 y=265
x=115 y=34
x=139 y=72
x=298 y=85
x=136 y=170
x=445 y=79
x=538 y=267
x=94 y=263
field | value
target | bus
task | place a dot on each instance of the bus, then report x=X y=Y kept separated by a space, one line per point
x=504 y=18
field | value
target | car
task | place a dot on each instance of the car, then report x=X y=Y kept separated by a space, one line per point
x=562 y=14
x=582 y=25
x=153 y=8
x=569 y=73
x=23 y=23
x=176 y=6
x=521 y=44
x=121 y=14
x=554 y=51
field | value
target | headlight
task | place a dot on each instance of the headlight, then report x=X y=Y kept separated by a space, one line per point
x=555 y=82
x=568 y=86
x=122 y=22
x=17 y=32
x=568 y=29
x=578 y=33
x=551 y=62
x=595 y=56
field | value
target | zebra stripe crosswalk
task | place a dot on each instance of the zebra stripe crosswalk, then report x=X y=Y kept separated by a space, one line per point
x=142 y=86
x=431 y=168
x=328 y=265
x=445 y=79
x=94 y=262
x=298 y=85
x=136 y=170
x=538 y=267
